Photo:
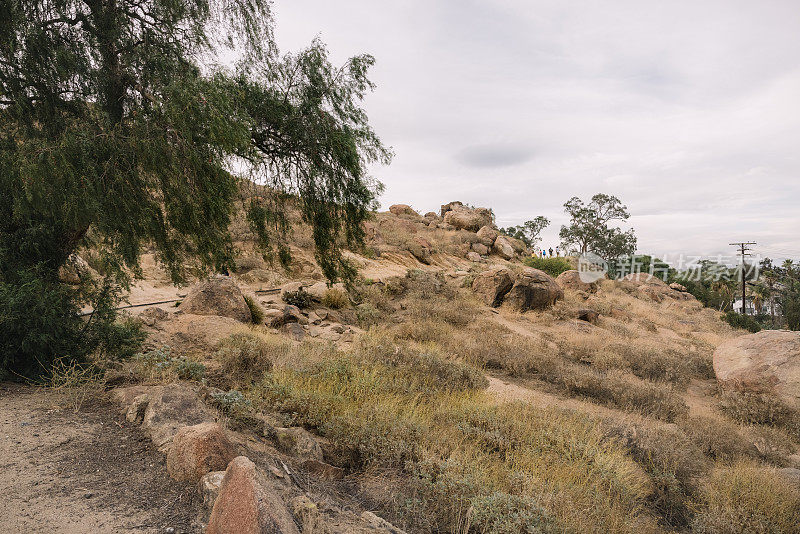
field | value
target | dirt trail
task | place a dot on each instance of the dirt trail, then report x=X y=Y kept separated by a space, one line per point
x=84 y=472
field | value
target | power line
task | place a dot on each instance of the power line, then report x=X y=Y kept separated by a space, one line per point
x=743 y=251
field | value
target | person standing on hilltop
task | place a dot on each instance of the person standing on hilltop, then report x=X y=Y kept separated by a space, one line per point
x=551 y=252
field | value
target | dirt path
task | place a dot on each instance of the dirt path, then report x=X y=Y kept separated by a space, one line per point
x=84 y=472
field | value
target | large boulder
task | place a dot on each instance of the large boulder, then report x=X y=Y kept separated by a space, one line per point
x=480 y=248
x=420 y=248
x=572 y=280
x=248 y=504
x=765 y=361
x=487 y=235
x=503 y=247
x=197 y=450
x=318 y=289
x=170 y=408
x=217 y=296
x=492 y=285
x=403 y=209
x=463 y=218
x=450 y=206
x=533 y=290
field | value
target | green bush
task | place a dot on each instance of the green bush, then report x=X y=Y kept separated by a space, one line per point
x=300 y=298
x=39 y=324
x=552 y=266
x=737 y=320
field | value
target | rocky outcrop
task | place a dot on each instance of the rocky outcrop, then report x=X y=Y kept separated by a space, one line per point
x=247 y=504
x=768 y=361
x=463 y=218
x=198 y=449
x=533 y=290
x=403 y=209
x=571 y=280
x=217 y=296
x=473 y=256
x=487 y=235
x=170 y=408
x=503 y=247
x=420 y=248
x=493 y=284
x=450 y=206
x=480 y=248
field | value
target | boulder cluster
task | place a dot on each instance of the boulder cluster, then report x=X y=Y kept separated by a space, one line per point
x=456 y=216
x=654 y=288
x=220 y=296
x=239 y=495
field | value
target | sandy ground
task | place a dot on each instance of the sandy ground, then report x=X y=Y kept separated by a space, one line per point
x=63 y=471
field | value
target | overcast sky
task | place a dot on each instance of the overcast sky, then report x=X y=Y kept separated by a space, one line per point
x=688 y=111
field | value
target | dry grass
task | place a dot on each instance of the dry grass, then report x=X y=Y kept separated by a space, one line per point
x=392 y=405
x=245 y=357
x=335 y=298
x=73 y=382
x=745 y=497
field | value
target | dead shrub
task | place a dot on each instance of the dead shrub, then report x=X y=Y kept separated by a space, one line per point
x=245 y=357
x=335 y=298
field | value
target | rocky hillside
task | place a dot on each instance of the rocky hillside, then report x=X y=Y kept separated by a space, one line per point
x=454 y=389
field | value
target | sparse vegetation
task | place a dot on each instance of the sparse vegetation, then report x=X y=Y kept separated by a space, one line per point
x=159 y=364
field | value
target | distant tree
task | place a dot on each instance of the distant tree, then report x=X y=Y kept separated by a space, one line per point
x=528 y=232
x=118 y=131
x=589 y=229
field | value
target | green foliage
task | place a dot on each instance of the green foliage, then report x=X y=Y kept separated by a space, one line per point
x=300 y=298
x=119 y=131
x=589 y=230
x=737 y=320
x=529 y=231
x=39 y=324
x=256 y=313
x=552 y=266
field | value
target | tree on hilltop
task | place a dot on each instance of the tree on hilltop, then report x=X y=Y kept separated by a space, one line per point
x=589 y=229
x=120 y=130
x=528 y=232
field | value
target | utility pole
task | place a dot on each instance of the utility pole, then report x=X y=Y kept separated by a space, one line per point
x=743 y=251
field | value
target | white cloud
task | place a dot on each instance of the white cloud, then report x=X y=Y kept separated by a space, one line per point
x=686 y=110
